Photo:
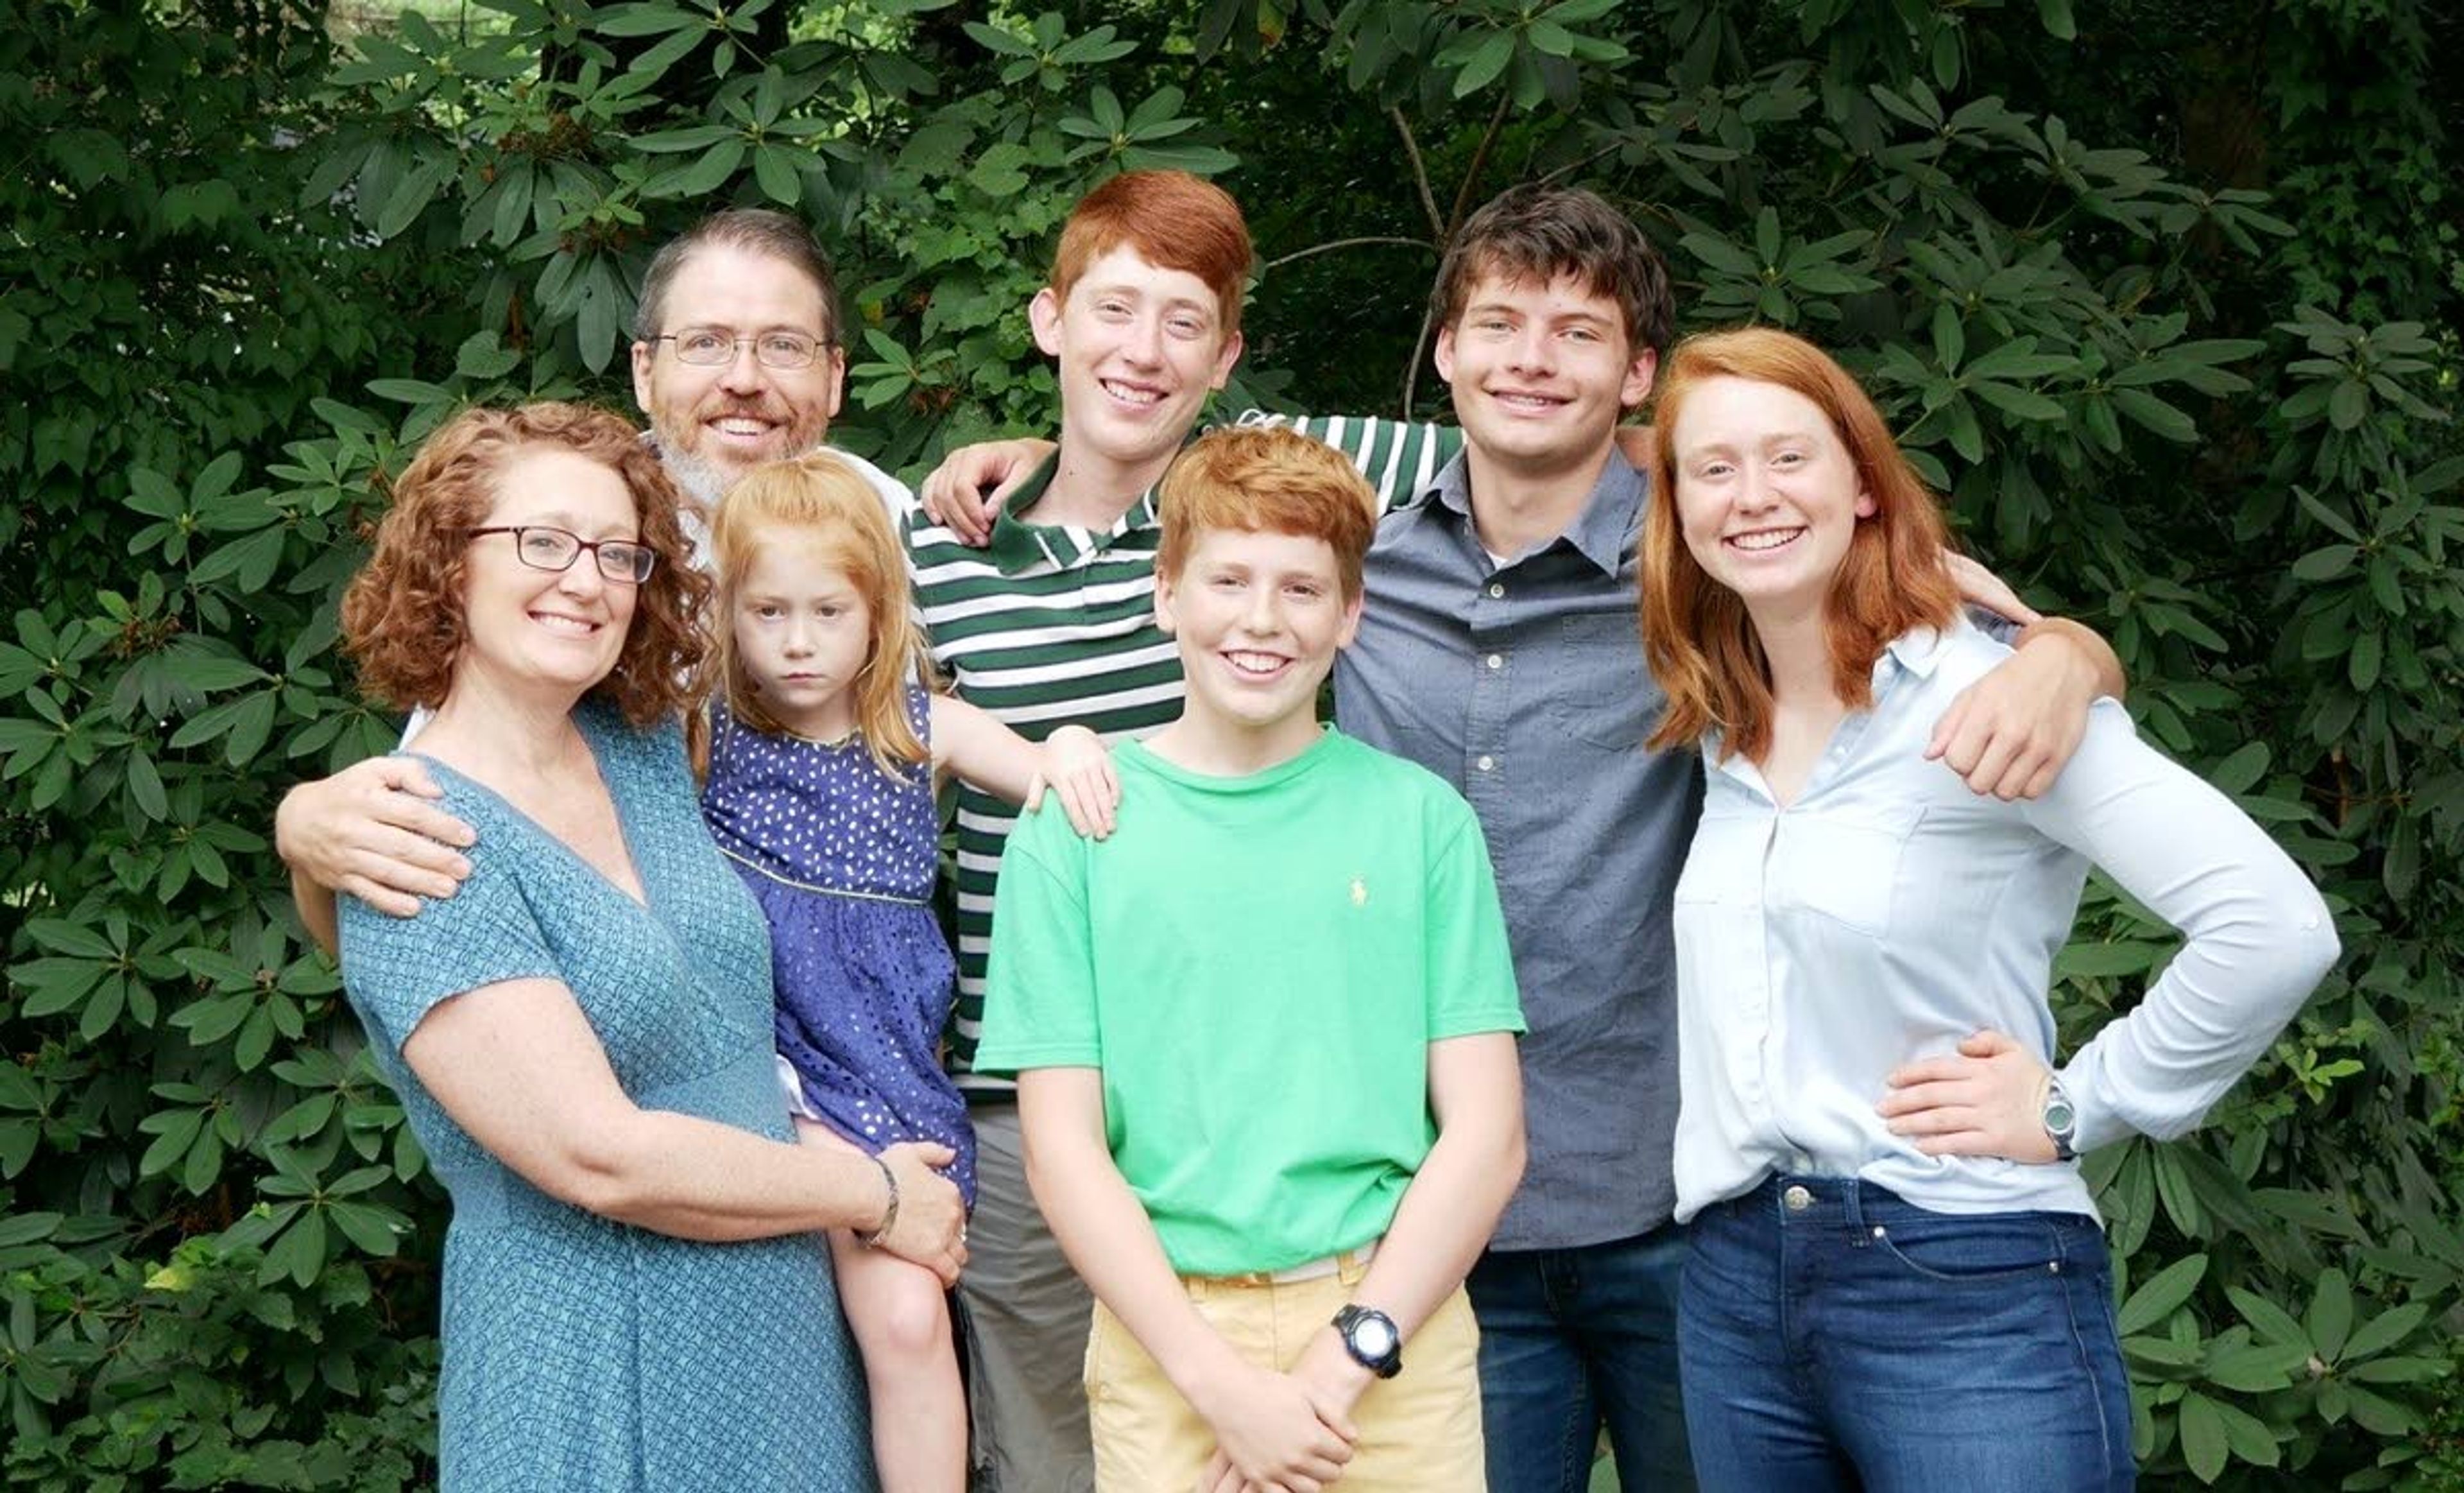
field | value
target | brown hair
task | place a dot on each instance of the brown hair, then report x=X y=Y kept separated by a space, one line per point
x=403 y=622
x=755 y=231
x=1700 y=644
x=1173 y=220
x=1268 y=481
x=1535 y=233
x=824 y=495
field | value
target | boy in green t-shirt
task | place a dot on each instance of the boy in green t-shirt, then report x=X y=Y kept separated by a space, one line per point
x=1264 y=1033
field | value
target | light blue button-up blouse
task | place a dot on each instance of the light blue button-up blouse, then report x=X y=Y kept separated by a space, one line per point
x=1888 y=912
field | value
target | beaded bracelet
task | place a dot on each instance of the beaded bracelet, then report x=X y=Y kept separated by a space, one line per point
x=890 y=1214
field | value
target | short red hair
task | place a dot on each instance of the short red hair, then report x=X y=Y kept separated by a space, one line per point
x=1700 y=644
x=402 y=615
x=1267 y=481
x=1175 y=221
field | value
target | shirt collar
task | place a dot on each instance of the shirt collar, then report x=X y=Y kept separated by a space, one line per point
x=1019 y=543
x=1916 y=651
x=1602 y=533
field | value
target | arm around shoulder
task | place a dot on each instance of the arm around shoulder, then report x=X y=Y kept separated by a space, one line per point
x=371 y=831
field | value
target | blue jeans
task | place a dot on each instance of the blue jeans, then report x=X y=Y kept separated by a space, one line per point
x=1837 y=1337
x=1573 y=1339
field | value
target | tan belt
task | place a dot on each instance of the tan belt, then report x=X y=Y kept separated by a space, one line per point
x=1306 y=1270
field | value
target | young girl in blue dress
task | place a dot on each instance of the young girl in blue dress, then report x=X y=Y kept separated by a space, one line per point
x=822 y=740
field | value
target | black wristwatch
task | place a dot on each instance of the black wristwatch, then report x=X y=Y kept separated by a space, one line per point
x=2062 y=1121
x=1368 y=1335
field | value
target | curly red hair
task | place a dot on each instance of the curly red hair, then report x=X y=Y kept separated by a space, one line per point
x=402 y=617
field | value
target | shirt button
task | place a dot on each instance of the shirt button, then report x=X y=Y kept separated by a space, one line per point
x=1797 y=1199
x=1496 y=590
x=1485 y=762
x=1496 y=662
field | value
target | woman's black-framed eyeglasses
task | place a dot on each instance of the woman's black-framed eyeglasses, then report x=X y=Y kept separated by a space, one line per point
x=542 y=548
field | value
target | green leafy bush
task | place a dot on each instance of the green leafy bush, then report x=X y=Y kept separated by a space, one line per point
x=2166 y=303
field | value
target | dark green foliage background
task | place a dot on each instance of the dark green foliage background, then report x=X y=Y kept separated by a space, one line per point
x=2165 y=295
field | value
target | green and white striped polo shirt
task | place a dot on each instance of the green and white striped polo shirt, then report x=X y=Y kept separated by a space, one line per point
x=1053 y=624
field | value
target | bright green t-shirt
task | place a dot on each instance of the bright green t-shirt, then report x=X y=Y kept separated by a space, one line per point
x=1257 y=965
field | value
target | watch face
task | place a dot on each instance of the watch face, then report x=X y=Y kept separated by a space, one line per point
x=1373 y=1337
x=2059 y=1117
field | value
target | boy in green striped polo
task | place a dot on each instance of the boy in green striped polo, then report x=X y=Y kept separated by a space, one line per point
x=1265 y=1038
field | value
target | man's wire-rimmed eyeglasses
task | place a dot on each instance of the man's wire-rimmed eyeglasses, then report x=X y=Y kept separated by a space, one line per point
x=714 y=348
x=620 y=560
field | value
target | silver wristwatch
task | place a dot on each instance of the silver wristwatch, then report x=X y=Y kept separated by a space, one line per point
x=2062 y=1121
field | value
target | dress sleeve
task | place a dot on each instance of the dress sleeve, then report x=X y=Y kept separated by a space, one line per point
x=398 y=970
x=2256 y=936
x=1400 y=458
x=1471 y=970
x=1040 y=981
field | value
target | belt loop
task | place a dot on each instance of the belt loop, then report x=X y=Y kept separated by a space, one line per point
x=1352 y=1266
x=1851 y=1205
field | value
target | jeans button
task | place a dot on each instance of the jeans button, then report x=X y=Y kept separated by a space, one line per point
x=1797 y=1199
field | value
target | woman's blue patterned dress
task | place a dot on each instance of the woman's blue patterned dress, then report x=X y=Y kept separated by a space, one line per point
x=581 y=1353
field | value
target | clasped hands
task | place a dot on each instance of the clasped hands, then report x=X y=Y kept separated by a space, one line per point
x=1284 y=1433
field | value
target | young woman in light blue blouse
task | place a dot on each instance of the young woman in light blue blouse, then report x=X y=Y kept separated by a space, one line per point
x=1896 y=1277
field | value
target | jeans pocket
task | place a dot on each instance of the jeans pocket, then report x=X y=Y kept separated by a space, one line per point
x=1978 y=1249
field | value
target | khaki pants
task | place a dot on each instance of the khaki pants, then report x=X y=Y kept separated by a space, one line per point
x=1026 y=1314
x=1419 y=1430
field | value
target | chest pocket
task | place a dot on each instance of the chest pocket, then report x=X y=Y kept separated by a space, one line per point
x=1842 y=866
x=1597 y=689
x=1724 y=865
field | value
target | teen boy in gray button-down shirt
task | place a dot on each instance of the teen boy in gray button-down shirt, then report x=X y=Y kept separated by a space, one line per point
x=1523 y=685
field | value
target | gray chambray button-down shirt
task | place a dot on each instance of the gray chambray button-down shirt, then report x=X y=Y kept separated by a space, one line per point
x=1524 y=686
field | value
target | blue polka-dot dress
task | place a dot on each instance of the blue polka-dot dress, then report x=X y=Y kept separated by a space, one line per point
x=841 y=854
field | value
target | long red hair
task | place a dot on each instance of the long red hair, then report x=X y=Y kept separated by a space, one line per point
x=821 y=494
x=1700 y=644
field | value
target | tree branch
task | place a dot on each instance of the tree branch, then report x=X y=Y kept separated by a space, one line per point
x=1479 y=160
x=1348 y=243
x=1572 y=167
x=1419 y=173
x=1447 y=238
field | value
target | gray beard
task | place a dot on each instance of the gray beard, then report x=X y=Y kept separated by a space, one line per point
x=699 y=477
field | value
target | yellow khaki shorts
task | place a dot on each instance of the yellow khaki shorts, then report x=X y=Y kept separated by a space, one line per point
x=1419 y=1430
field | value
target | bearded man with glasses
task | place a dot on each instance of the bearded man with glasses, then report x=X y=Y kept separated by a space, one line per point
x=736 y=354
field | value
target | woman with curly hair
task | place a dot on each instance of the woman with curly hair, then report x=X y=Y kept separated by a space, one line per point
x=634 y=1293
x=1895 y=1279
